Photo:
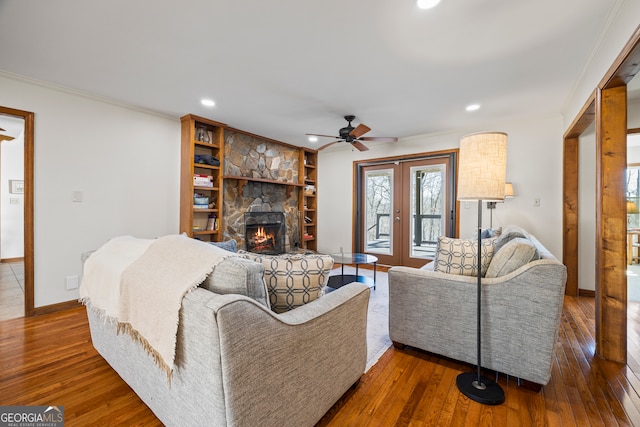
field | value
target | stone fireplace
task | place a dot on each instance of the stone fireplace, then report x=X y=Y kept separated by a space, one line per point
x=265 y=232
x=260 y=159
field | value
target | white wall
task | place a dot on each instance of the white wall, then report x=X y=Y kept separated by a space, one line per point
x=126 y=163
x=534 y=166
x=11 y=205
x=587 y=209
x=622 y=25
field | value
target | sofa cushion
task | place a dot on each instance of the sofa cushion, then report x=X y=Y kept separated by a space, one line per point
x=293 y=279
x=236 y=275
x=513 y=255
x=509 y=233
x=228 y=245
x=460 y=256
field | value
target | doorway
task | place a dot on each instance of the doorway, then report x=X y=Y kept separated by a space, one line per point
x=403 y=205
x=23 y=190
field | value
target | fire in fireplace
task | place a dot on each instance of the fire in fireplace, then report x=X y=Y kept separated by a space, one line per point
x=265 y=232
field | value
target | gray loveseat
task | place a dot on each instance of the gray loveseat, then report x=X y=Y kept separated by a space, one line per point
x=436 y=312
x=240 y=364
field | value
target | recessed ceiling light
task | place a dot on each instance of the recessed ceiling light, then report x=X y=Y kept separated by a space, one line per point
x=473 y=107
x=208 y=102
x=313 y=139
x=427 y=4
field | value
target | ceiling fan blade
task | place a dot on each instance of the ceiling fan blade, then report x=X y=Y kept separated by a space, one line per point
x=6 y=138
x=326 y=145
x=359 y=145
x=378 y=138
x=359 y=131
x=2 y=130
x=317 y=134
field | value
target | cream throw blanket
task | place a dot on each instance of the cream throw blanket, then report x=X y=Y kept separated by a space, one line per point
x=140 y=283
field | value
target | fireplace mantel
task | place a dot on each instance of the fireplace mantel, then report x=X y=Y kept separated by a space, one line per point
x=243 y=180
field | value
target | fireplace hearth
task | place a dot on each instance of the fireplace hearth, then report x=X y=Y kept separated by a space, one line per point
x=265 y=232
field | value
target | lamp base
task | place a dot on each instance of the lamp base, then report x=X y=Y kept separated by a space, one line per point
x=487 y=392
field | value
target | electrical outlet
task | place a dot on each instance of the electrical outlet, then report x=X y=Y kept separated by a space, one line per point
x=536 y=202
x=71 y=282
x=77 y=196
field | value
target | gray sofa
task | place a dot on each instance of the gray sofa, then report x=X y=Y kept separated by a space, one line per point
x=436 y=312
x=240 y=364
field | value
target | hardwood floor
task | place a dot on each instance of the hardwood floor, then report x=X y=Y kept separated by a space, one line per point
x=49 y=360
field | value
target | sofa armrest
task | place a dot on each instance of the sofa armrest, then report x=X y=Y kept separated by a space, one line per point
x=303 y=360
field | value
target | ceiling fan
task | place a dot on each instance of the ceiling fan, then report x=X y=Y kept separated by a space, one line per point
x=354 y=135
x=5 y=137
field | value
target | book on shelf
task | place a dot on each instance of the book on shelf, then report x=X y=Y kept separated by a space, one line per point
x=200 y=206
x=202 y=180
x=307 y=219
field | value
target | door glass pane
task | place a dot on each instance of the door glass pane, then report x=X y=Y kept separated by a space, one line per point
x=427 y=209
x=378 y=208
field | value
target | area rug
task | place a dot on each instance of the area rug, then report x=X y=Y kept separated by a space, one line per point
x=378 y=340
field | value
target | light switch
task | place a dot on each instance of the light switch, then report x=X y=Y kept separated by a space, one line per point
x=14 y=201
x=76 y=196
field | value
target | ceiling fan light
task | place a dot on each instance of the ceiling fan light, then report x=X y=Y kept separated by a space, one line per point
x=313 y=139
x=473 y=107
x=208 y=102
x=427 y=4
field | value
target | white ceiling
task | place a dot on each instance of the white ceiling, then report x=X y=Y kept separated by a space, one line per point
x=283 y=68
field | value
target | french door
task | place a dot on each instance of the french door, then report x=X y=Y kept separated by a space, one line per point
x=403 y=207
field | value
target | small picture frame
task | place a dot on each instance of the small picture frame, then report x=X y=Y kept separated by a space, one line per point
x=16 y=186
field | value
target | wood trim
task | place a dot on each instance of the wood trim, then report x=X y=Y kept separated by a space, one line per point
x=570 y=224
x=633 y=130
x=626 y=65
x=611 y=224
x=56 y=308
x=29 y=119
x=587 y=293
x=583 y=120
x=10 y=260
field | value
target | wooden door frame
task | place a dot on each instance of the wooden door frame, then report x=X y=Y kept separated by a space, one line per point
x=28 y=118
x=606 y=106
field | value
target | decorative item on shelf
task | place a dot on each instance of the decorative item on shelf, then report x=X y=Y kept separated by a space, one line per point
x=202 y=159
x=483 y=167
x=307 y=219
x=202 y=180
x=508 y=194
x=202 y=134
x=212 y=222
x=309 y=190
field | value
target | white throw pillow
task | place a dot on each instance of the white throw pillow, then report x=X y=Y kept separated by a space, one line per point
x=513 y=255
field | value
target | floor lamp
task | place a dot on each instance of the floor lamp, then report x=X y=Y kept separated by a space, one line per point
x=482 y=173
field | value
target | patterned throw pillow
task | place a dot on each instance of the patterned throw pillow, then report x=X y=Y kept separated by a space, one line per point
x=458 y=256
x=293 y=279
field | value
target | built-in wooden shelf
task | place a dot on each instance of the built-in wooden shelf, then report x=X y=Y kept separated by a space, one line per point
x=206 y=189
x=206 y=144
x=203 y=232
x=205 y=166
x=205 y=210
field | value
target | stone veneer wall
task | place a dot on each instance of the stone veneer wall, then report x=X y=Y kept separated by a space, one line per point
x=254 y=157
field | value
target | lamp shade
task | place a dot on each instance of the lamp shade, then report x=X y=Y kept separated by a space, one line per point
x=632 y=208
x=508 y=190
x=482 y=166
